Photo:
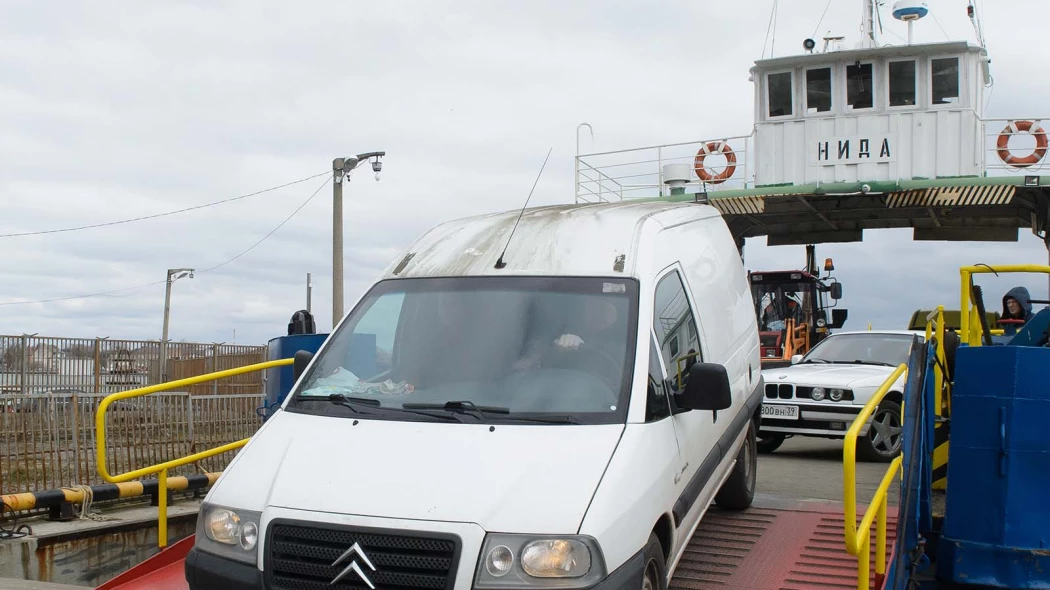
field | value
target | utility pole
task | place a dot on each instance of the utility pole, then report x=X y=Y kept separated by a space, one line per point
x=337 y=240
x=174 y=274
x=340 y=168
x=309 y=289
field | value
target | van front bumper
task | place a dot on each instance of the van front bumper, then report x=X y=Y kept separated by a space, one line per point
x=205 y=571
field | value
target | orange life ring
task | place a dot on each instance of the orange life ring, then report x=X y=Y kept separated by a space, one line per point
x=1012 y=129
x=715 y=147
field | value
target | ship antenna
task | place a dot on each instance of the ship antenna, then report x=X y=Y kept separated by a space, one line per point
x=500 y=263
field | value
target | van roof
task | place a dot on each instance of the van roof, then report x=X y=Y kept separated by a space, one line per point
x=585 y=239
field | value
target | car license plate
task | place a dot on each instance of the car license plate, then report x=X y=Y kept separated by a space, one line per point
x=780 y=412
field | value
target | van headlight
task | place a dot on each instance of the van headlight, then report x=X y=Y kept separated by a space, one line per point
x=228 y=532
x=513 y=561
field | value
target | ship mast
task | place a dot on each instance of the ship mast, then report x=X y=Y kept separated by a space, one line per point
x=867 y=24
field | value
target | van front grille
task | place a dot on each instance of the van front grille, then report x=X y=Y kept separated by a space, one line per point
x=306 y=556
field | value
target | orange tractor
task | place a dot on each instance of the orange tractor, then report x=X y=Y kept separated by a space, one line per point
x=792 y=309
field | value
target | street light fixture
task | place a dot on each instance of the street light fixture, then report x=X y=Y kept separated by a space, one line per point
x=174 y=274
x=341 y=167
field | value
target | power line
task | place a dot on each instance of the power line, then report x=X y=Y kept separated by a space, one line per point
x=156 y=215
x=211 y=268
x=821 y=21
x=274 y=230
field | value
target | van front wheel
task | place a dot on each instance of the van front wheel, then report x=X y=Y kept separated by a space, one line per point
x=654 y=576
x=738 y=491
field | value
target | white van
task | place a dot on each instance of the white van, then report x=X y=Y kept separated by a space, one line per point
x=515 y=421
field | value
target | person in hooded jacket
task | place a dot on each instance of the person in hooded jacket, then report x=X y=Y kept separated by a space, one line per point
x=1017 y=305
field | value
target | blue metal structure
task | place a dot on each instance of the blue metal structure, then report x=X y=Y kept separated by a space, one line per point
x=993 y=528
x=279 y=380
x=997 y=518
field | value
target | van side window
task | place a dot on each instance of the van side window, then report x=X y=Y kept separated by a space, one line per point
x=675 y=327
x=657 y=405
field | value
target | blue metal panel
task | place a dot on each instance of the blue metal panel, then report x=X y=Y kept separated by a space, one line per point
x=997 y=522
x=914 y=511
x=1030 y=333
x=279 y=380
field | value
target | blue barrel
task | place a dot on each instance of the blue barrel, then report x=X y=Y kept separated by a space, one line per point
x=279 y=380
x=997 y=515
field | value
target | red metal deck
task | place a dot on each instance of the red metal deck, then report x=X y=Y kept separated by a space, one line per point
x=775 y=545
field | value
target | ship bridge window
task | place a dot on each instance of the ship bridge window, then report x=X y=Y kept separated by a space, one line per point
x=944 y=80
x=860 y=90
x=818 y=90
x=778 y=93
x=902 y=83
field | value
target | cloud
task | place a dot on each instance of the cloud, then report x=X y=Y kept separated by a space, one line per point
x=115 y=110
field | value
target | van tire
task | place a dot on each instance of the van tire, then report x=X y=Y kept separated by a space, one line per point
x=770 y=443
x=654 y=572
x=738 y=491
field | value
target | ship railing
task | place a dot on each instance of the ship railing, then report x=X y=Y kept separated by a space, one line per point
x=639 y=173
x=1026 y=139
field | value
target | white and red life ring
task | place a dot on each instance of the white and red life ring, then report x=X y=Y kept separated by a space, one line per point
x=1015 y=127
x=715 y=147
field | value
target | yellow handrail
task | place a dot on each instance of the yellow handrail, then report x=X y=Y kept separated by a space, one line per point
x=858 y=536
x=967 y=315
x=162 y=468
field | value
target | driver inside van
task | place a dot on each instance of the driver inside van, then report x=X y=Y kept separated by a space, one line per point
x=594 y=319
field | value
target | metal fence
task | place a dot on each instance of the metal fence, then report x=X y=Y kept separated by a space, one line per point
x=50 y=388
x=48 y=440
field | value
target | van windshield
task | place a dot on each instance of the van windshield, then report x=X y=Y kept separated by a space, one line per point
x=540 y=347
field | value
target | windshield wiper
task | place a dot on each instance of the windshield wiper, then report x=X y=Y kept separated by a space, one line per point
x=480 y=412
x=351 y=402
x=459 y=407
x=820 y=361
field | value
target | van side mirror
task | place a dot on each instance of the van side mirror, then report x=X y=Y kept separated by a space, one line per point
x=838 y=318
x=300 y=361
x=707 y=388
x=836 y=290
x=796 y=359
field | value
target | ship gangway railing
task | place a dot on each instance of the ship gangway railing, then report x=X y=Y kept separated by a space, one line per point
x=162 y=469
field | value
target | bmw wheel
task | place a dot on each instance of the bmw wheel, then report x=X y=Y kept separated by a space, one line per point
x=883 y=441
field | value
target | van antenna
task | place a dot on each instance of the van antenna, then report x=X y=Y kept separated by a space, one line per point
x=499 y=262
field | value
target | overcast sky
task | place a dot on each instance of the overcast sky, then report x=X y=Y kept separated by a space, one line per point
x=113 y=110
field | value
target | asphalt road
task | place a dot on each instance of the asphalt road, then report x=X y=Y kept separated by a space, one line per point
x=811 y=469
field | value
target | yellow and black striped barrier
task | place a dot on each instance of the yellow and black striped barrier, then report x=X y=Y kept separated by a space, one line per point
x=55 y=499
x=941 y=430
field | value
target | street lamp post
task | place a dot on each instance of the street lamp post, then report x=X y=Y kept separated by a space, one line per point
x=174 y=274
x=341 y=167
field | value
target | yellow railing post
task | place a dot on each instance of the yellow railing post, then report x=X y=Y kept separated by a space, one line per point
x=863 y=571
x=858 y=537
x=964 y=305
x=162 y=508
x=880 y=538
x=161 y=469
